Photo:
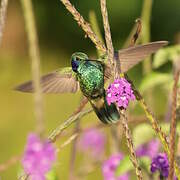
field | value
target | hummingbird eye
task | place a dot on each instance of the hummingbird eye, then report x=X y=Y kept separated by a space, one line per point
x=77 y=58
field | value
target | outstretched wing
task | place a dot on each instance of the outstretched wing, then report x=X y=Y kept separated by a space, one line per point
x=131 y=56
x=60 y=81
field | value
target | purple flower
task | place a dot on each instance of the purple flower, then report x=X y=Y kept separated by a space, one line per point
x=148 y=149
x=120 y=92
x=38 y=157
x=160 y=163
x=109 y=168
x=93 y=141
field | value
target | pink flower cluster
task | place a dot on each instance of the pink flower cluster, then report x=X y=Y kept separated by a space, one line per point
x=92 y=141
x=109 y=168
x=149 y=149
x=38 y=157
x=120 y=92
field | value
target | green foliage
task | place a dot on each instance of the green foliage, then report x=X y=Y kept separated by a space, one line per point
x=145 y=162
x=155 y=78
x=166 y=54
x=158 y=78
x=124 y=166
x=51 y=175
x=166 y=128
x=142 y=134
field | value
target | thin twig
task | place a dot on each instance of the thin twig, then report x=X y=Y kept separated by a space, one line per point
x=130 y=145
x=69 y=140
x=3 y=9
x=173 y=125
x=110 y=51
x=131 y=40
x=138 y=27
x=35 y=58
x=23 y=176
x=109 y=44
x=73 y=150
x=9 y=163
x=53 y=136
x=84 y=25
x=83 y=102
x=124 y=119
x=87 y=169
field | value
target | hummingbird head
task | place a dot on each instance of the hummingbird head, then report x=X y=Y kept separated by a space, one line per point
x=76 y=58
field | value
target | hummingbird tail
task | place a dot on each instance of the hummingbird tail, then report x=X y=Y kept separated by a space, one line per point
x=106 y=113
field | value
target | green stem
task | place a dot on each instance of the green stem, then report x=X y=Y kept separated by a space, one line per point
x=145 y=37
x=74 y=149
x=35 y=59
x=96 y=29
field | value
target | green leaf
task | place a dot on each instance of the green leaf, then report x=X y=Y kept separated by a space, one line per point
x=144 y=161
x=154 y=79
x=124 y=166
x=20 y=172
x=166 y=127
x=178 y=128
x=51 y=175
x=166 y=54
x=142 y=134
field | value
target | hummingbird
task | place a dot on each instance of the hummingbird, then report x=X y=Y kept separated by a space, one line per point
x=89 y=76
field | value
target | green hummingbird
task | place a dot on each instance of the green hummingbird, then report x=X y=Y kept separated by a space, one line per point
x=89 y=75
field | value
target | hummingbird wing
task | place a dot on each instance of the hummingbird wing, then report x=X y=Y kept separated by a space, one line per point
x=131 y=56
x=59 y=81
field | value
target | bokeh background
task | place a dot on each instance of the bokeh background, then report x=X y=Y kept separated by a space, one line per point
x=60 y=36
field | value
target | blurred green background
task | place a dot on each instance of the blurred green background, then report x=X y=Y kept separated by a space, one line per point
x=60 y=36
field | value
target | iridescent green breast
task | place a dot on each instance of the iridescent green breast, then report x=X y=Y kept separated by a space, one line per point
x=91 y=78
